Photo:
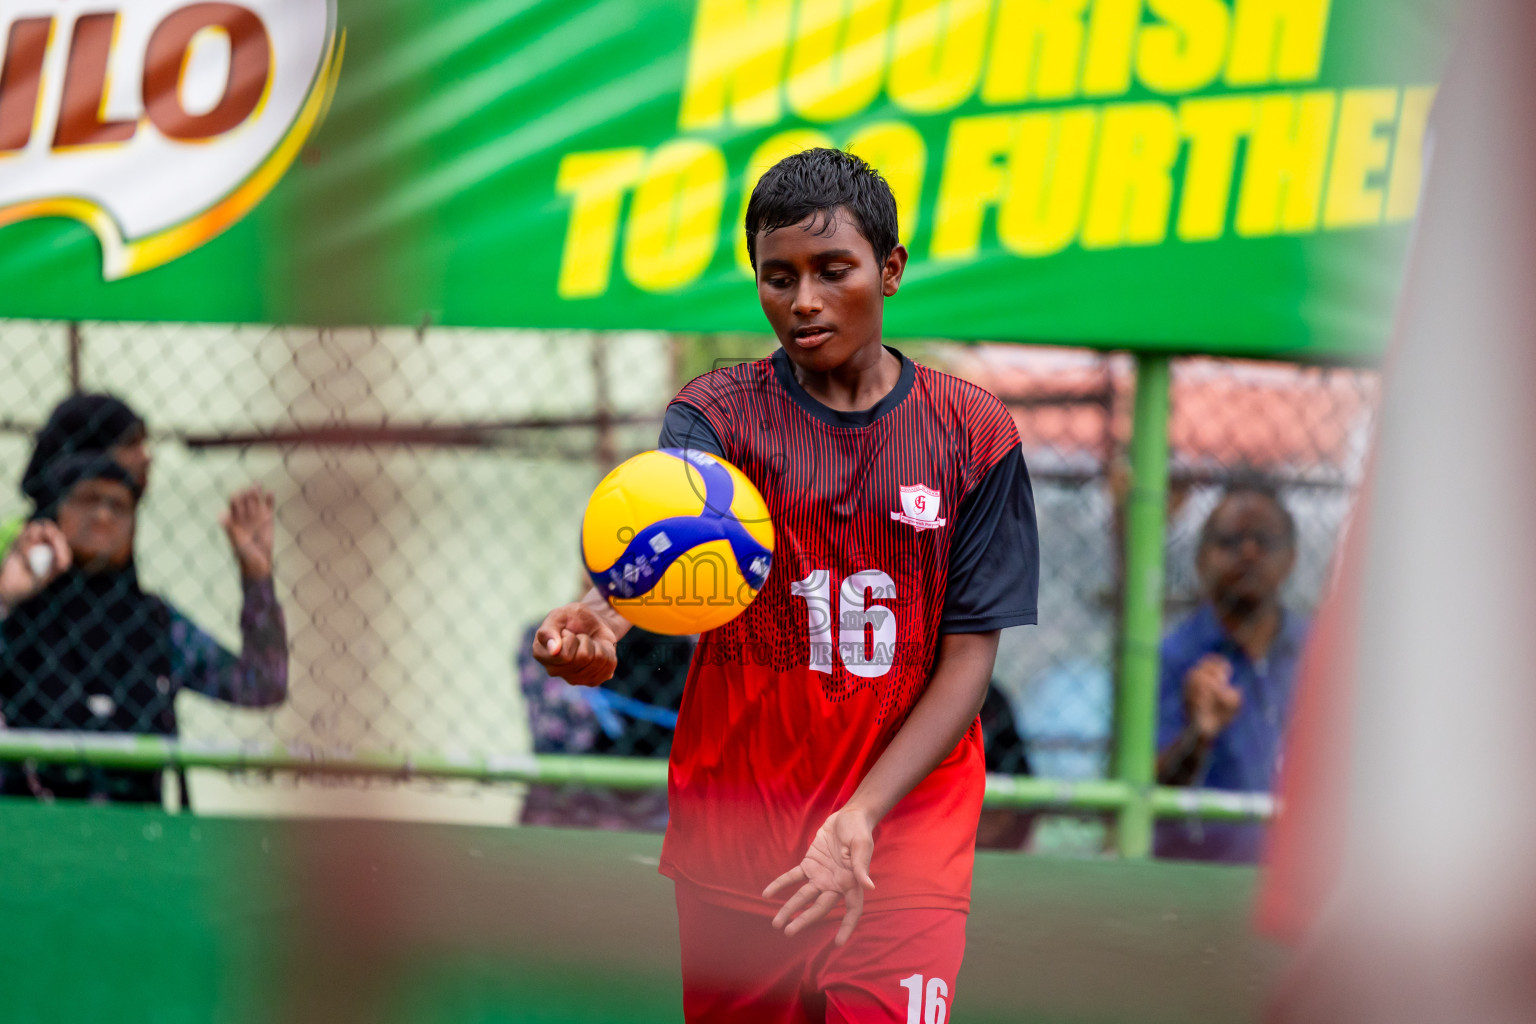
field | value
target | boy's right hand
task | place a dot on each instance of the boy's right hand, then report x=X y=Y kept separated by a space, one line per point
x=574 y=643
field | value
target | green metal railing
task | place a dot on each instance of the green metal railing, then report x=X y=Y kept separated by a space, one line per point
x=119 y=750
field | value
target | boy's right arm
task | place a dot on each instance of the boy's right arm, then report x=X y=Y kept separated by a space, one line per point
x=576 y=641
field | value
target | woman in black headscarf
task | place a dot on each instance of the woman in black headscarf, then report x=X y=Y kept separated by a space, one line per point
x=88 y=423
x=84 y=648
x=83 y=423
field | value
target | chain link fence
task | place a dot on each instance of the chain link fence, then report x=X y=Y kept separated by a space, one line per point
x=428 y=484
x=1304 y=431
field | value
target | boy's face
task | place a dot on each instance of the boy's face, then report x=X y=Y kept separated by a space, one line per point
x=824 y=292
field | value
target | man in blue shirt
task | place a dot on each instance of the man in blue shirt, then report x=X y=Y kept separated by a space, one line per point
x=1227 y=671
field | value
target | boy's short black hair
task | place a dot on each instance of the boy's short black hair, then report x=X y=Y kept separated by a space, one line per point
x=819 y=181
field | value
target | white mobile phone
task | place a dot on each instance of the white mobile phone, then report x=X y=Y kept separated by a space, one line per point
x=40 y=559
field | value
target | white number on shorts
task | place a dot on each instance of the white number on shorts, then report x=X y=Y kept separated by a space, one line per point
x=857 y=613
x=934 y=1009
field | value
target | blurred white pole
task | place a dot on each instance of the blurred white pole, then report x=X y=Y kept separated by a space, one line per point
x=1433 y=918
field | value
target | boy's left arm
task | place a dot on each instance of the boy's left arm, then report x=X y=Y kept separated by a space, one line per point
x=836 y=867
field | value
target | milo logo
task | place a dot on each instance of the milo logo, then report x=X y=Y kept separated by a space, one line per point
x=158 y=124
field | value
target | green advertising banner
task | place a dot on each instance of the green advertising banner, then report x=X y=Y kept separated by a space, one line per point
x=1235 y=176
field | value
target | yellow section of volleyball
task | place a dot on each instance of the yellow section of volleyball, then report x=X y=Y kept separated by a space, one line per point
x=679 y=542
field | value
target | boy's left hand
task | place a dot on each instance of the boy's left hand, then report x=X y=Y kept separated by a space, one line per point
x=835 y=867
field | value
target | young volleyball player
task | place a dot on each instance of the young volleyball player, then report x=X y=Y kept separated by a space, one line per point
x=826 y=777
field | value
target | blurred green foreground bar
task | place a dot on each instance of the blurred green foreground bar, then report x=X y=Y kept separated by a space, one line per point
x=127 y=916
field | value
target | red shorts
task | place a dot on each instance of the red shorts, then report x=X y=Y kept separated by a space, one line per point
x=899 y=967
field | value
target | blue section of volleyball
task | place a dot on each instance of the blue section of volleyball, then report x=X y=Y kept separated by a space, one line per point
x=641 y=564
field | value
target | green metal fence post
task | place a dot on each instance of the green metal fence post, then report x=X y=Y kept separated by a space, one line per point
x=1142 y=622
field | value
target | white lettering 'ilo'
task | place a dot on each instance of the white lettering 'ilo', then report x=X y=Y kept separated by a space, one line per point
x=157 y=157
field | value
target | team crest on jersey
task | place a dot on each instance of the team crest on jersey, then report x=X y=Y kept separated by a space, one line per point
x=919 y=508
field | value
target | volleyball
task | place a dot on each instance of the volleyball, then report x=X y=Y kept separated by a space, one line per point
x=678 y=541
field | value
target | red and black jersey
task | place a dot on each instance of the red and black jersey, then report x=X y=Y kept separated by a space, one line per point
x=892 y=526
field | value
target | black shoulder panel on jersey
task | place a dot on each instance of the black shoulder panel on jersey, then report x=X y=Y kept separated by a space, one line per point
x=684 y=426
x=994 y=560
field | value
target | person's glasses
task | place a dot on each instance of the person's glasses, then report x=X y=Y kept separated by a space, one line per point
x=86 y=504
x=1233 y=540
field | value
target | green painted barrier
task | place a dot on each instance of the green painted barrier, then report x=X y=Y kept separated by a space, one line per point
x=132 y=916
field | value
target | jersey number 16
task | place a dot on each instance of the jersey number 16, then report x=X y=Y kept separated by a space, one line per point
x=866 y=632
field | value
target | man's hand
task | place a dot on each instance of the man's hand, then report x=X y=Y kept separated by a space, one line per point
x=249 y=523
x=1210 y=699
x=576 y=644
x=17 y=580
x=836 y=867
